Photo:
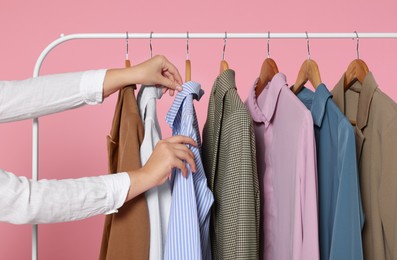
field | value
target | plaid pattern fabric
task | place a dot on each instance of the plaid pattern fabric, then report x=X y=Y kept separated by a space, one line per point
x=229 y=158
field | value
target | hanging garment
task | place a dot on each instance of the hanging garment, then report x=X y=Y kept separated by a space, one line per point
x=286 y=159
x=230 y=165
x=158 y=198
x=340 y=212
x=188 y=229
x=126 y=233
x=376 y=145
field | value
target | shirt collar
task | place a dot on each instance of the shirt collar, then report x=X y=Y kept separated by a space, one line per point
x=189 y=88
x=318 y=101
x=264 y=106
x=366 y=91
x=145 y=94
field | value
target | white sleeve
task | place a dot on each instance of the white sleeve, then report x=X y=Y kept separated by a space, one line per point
x=23 y=201
x=49 y=94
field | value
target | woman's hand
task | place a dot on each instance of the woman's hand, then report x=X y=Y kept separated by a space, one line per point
x=159 y=71
x=167 y=154
x=156 y=71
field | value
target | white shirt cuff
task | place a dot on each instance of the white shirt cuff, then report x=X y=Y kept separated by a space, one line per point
x=91 y=86
x=117 y=186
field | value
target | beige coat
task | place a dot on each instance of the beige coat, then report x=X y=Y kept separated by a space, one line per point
x=375 y=115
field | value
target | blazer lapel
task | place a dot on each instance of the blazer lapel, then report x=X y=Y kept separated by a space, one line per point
x=360 y=138
x=218 y=115
x=364 y=103
x=213 y=126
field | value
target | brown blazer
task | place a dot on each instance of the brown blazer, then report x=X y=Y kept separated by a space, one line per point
x=126 y=233
x=376 y=144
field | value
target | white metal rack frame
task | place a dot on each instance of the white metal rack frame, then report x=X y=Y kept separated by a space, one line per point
x=265 y=35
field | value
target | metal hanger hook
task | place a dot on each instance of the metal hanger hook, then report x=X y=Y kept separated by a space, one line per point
x=150 y=44
x=268 y=44
x=126 y=45
x=358 y=44
x=187 y=45
x=308 y=46
x=224 y=46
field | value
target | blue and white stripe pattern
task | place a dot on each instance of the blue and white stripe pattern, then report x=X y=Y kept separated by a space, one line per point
x=188 y=227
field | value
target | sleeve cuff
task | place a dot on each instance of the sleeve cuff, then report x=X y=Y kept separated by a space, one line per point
x=91 y=86
x=117 y=186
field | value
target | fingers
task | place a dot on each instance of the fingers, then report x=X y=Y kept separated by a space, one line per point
x=183 y=148
x=181 y=139
x=169 y=67
x=169 y=76
x=168 y=83
x=184 y=157
x=188 y=156
x=181 y=153
x=171 y=92
x=184 y=154
x=181 y=165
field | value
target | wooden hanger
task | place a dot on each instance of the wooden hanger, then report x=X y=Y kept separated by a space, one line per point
x=188 y=71
x=127 y=65
x=188 y=65
x=224 y=65
x=127 y=59
x=308 y=72
x=127 y=62
x=268 y=70
x=357 y=69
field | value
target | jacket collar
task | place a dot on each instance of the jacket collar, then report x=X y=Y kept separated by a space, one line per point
x=317 y=102
x=224 y=82
x=366 y=91
x=263 y=107
x=189 y=88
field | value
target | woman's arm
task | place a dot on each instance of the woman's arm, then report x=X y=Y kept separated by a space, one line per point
x=50 y=94
x=156 y=71
x=24 y=201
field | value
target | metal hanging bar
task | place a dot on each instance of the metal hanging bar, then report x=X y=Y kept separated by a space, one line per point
x=265 y=35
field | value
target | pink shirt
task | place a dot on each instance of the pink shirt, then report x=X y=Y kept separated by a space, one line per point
x=286 y=159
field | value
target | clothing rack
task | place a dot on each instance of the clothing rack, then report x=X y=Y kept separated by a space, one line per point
x=223 y=35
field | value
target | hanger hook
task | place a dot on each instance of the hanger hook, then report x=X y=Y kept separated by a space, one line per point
x=224 y=46
x=187 y=45
x=308 y=45
x=268 y=44
x=126 y=44
x=150 y=44
x=357 y=46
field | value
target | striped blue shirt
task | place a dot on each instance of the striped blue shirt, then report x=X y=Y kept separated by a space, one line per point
x=188 y=227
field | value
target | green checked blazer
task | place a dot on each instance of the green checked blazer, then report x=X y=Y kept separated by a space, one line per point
x=229 y=158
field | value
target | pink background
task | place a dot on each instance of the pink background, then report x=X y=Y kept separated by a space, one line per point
x=72 y=144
